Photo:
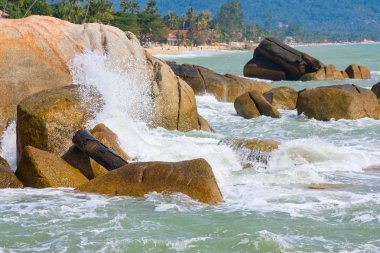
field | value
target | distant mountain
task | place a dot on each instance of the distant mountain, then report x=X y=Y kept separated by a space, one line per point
x=359 y=17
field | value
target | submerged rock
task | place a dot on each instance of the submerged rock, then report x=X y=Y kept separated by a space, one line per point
x=253 y=104
x=338 y=102
x=41 y=169
x=90 y=168
x=204 y=125
x=224 y=87
x=193 y=178
x=35 y=53
x=7 y=177
x=49 y=119
x=251 y=151
x=282 y=98
x=328 y=186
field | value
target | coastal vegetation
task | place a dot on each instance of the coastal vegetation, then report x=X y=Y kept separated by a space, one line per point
x=192 y=26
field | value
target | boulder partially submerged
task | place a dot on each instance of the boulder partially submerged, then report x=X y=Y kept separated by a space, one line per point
x=274 y=60
x=41 y=169
x=282 y=98
x=193 y=178
x=338 y=102
x=251 y=151
x=225 y=88
x=253 y=104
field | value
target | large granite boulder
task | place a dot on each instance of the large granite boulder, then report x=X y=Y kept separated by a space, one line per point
x=8 y=179
x=35 y=53
x=90 y=168
x=193 y=178
x=282 y=97
x=251 y=151
x=338 y=102
x=376 y=89
x=274 y=60
x=49 y=119
x=41 y=169
x=253 y=104
x=224 y=87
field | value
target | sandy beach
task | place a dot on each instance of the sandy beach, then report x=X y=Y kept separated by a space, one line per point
x=174 y=50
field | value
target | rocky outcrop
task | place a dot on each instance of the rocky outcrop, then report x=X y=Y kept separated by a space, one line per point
x=376 y=89
x=87 y=166
x=253 y=104
x=41 y=169
x=49 y=119
x=274 y=60
x=224 y=87
x=358 y=72
x=193 y=178
x=282 y=97
x=325 y=73
x=251 y=151
x=338 y=102
x=7 y=178
x=35 y=53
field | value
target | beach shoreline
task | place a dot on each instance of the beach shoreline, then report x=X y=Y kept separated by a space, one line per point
x=177 y=50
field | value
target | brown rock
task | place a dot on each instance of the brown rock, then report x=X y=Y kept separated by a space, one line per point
x=193 y=178
x=373 y=168
x=332 y=73
x=246 y=107
x=204 y=125
x=366 y=73
x=49 y=119
x=264 y=107
x=319 y=75
x=344 y=74
x=328 y=186
x=376 y=89
x=251 y=150
x=282 y=98
x=40 y=169
x=338 y=102
x=358 y=72
x=224 y=87
x=7 y=178
x=4 y=163
x=87 y=166
x=35 y=52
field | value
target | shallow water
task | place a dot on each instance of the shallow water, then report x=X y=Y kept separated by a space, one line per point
x=268 y=208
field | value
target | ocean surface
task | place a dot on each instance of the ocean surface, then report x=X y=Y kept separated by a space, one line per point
x=268 y=207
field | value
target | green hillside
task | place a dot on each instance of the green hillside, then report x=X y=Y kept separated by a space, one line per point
x=355 y=17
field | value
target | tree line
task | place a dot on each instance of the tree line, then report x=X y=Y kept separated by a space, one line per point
x=149 y=26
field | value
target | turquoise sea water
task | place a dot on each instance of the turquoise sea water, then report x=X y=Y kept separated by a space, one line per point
x=268 y=208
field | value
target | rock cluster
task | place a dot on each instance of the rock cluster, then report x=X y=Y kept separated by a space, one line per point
x=225 y=88
x=323 y=103
x=42 y=47
x=274 y=60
